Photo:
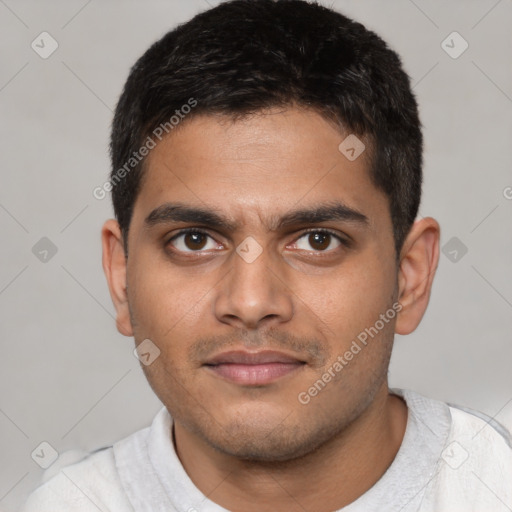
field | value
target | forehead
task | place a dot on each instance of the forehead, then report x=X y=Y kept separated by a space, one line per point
x=259 y=166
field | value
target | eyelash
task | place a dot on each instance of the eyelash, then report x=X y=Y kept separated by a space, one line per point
x=345 y=242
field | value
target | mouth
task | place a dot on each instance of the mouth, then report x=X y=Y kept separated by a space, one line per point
x=253 y=368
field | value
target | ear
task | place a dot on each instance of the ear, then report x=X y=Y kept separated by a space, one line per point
x=418 y=262
x=114 y=266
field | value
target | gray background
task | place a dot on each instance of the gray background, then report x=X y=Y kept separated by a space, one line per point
x=68 y=377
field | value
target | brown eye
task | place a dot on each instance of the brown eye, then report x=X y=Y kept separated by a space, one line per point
x=321 y=241
x=195 y=241
x=192 y=241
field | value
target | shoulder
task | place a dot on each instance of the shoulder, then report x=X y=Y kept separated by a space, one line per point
x=90 y=484
x=482 y=441
x=480 y=428
x=474 y=471
x=470 y=467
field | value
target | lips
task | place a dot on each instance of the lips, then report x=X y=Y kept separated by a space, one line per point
x=253 y=368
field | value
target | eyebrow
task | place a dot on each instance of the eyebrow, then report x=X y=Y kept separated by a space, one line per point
x=333 y=211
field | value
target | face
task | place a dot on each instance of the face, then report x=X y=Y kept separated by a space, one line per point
x=258 y=255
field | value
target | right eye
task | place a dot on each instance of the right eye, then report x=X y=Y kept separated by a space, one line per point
x=192 y=240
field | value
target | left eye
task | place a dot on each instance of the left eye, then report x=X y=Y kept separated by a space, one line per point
x=192 y=241
x=318 y=241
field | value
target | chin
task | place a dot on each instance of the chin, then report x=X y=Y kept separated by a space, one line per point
x=257 y=443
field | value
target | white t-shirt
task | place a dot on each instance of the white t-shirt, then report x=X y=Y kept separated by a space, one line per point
x=450 y=460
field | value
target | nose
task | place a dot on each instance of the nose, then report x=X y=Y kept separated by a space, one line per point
x=253 y=293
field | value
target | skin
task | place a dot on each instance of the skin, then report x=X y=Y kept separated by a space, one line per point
x=258 y=448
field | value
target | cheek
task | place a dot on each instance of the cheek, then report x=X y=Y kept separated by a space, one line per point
x=163 y=302
x=352 y=299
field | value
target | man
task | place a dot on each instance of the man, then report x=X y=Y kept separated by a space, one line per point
x=266 y=180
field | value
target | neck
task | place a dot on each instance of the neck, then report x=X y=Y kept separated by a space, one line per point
x=328 y=479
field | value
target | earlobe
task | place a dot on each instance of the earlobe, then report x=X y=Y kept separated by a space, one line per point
x=418 y=263
x=114 y=266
